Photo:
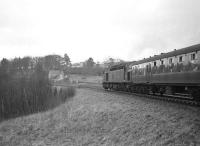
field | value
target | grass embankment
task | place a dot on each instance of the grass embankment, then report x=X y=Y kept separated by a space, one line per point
x=106 y=119
x=22 y=96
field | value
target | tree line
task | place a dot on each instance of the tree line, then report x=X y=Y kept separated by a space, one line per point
x=26 y=65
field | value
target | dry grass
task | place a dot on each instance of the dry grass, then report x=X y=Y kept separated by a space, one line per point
x=97 y=118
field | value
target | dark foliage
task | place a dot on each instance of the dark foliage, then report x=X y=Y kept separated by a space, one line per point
x=24 y=91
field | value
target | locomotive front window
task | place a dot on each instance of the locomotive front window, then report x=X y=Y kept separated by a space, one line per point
x=162 y=62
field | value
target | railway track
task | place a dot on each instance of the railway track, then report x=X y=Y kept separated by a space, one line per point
x=171 y=98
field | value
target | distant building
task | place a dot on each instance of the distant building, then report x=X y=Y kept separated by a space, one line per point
x=102 y=65
x=56 y=75
x=77 y=65
x=83 y=64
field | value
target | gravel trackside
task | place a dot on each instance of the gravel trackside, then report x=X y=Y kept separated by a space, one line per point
x=95 y=118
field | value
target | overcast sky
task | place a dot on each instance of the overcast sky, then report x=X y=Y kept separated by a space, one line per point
x=126 y=29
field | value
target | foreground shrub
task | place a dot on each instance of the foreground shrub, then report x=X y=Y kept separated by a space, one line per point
x=25 y=97
x=61 y=95
x=29 y=94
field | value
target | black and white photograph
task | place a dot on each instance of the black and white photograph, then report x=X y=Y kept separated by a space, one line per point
x=99 y=72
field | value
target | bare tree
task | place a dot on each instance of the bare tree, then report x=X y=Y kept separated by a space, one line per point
x=67 y=60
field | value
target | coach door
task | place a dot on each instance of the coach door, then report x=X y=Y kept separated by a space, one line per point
x=148 y=73
x=129 y=76
x=124 y=73
x=107 y=77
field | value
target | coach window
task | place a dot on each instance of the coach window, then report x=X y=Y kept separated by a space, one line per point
x=162 y=62
x=170 y=61
x=154 y=64
x=193 y=56
x=181 y=59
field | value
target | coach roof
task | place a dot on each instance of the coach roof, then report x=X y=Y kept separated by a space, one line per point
x=186 y=50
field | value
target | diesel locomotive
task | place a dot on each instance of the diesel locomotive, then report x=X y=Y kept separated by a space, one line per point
x=173 y=73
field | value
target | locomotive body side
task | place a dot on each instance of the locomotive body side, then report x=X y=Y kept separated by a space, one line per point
x=115 y=77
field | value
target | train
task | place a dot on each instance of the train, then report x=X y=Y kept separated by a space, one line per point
x=173 y=73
